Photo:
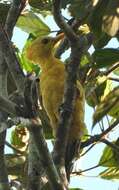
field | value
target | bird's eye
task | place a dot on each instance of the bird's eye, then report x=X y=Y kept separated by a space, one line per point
x=45 y=40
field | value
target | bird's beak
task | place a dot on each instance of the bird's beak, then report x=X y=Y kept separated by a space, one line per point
x=58 y=38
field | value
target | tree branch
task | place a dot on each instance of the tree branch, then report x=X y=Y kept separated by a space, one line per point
x=61 y=22
x=114 y=79
x=4 y=184
x=98 y=138
x=8 y=106
x=11 y=60
x=78 y=47
x=35 y=170
x=45 y=158
x=65 y=44
x=111 y=69
x=85 y=170
x=13 y=14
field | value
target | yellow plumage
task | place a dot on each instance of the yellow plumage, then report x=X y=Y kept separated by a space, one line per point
x=52 y=85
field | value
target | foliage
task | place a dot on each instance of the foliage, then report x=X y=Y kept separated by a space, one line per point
x=31 y=23
x=110 y=159
x=98 y=69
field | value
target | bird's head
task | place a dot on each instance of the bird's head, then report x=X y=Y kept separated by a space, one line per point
x=42 y=48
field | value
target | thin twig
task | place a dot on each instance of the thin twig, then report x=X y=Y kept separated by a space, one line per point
x=91 y=168
x=97 y=138
x=88 y=169
x=111 y=69
x=113 y=79
x=87 y=150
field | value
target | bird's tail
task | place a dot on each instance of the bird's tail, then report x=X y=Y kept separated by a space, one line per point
x=72 y=153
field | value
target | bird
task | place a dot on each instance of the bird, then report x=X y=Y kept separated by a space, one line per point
x=52 y=79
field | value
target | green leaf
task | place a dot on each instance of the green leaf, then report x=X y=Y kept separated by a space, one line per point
x=95 y=91
x=111 y=18
x=101 y=41
x=86 y=59
x=27 y=65
x=31 y=23
x=110 y=173
x=114 y=112
x=80 y=8
x=95 y=18
x=19 y=137
x=108 y=158
x=105 y=57
x=44 y=7
x=116 y=72
x=106 y=105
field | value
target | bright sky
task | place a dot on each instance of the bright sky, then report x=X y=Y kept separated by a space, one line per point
x=92 y=158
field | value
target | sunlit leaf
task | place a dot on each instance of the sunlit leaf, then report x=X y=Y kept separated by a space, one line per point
x=26 y=64
x=110 y=173
x=109 y=157
x=31 y=23
x=19 y=137
x=111 y=18
x=85 y=59
x=116 y=71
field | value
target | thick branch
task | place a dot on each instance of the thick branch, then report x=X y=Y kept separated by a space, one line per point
x=65 y=44
x=11 y=60
x=61 y=22
x=4 y=184
x=43 y=152
x=45 y=158
x=78 y=47
x=34 y=166
x=7 y=106
x=13 y=14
